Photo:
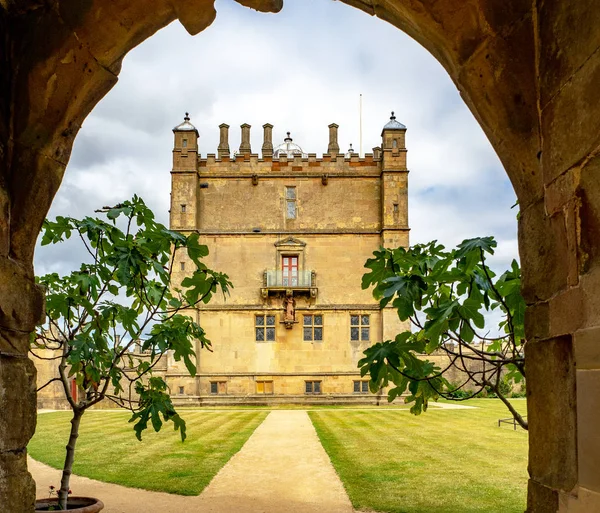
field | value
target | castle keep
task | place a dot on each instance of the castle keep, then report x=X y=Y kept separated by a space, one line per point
x=292 y=231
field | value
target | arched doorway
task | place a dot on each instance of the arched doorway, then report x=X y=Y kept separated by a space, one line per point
x=527 y=72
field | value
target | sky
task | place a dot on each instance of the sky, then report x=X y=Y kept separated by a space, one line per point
x=300 y=70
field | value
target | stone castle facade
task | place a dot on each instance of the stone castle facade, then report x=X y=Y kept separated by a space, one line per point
x=293 y=232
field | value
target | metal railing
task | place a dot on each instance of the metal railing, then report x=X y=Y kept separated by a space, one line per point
x=285 y=279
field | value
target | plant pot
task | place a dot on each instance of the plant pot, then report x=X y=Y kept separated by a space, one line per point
x=74 y=505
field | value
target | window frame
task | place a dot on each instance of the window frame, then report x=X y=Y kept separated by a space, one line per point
x=287 y=271
x=291 y=201
x=264 y=383
x=363 y=386
x=218 y=387
x=312 y=327
x=361 y=326
x=265 y=327
x=310 y=383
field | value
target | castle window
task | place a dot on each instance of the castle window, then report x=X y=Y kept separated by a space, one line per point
x=312 y=387
x=289 y=270
x=185 y=143
x=313 y=328
x=395 y=143
x=290 y=202
x=264 y=328
x=183 y=266
x=183 y=209
x=181 y=391
x=218 y=387
x=395 y=208
x=361 y=387
x=359 y=327
x=264 y=387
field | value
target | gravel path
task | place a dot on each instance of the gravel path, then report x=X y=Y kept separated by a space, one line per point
x=282 y=468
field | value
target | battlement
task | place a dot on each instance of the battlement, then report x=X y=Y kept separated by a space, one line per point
x=302 y=163
x=287 y=156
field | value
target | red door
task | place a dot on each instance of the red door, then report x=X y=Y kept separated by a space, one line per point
x=290 y=271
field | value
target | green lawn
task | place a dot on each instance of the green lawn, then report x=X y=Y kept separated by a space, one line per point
x=107 y=449
x=444 y=461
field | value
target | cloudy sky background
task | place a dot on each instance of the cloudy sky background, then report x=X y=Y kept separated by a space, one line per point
x=299 y=70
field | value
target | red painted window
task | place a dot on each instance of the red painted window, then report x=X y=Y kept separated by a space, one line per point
x=289 y=266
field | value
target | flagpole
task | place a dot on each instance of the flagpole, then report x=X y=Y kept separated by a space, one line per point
x=360 y=146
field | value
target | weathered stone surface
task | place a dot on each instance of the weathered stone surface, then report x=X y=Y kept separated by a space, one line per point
x=590 y=284
x=570 y=121
x=588 y=419
x=544 y=253
x=566 y=312
x=263 y=5
x=541 y=499
x=589 y=196
x=581 y=500
x=537 y=321
x=587 y=348
x=194 y=17
x=125 y=25
x=509 y=120
x=17 y=403
x=561 y=191
x=21 y=302
x=569 y=36
x=17 y=488
x=5 y=108
x=552 y=414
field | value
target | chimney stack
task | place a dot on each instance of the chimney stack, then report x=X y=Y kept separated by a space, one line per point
x=245 y=144
x=267 y=147
x=334 y=147
x=223 y=149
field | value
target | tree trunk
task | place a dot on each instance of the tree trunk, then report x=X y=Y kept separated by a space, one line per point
x=520 y=420
x=63 y=493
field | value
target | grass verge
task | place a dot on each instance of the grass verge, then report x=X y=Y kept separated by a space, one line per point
x=447 y=461
x=107 y=449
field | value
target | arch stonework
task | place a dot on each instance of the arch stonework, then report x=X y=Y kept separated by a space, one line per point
x=529 y=72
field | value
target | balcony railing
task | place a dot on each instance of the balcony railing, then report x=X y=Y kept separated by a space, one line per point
x=302 y=281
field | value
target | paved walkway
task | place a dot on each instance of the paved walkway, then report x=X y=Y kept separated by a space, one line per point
x=282 y=468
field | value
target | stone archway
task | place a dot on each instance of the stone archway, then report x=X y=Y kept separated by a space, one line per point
x=529 y=74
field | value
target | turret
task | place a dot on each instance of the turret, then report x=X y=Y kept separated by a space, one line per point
x=184 y=176
x=394 y=215
x=393 y=135
x=185 y=146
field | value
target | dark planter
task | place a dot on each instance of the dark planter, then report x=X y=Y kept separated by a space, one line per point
x=74 y=505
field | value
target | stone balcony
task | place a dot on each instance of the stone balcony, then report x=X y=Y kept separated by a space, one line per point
x=278 y=282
